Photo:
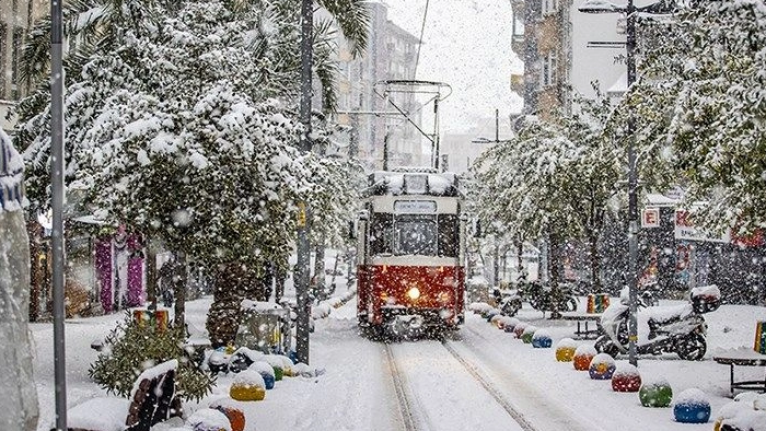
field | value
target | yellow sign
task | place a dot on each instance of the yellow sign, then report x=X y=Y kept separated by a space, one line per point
x=301 y=214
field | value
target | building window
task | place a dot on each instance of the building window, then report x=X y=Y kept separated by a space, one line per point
x=18 y=41
x=550 y=6
x=548 y=70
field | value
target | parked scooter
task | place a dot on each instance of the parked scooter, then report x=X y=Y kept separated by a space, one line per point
x=677 y=329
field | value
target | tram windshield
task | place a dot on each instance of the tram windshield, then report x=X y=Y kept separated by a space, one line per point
x=414 y=234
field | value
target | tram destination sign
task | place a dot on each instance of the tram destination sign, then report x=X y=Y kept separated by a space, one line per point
x=414 y=206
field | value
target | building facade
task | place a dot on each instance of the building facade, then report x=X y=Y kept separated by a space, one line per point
x=542 y=39
x=16 y=19
x=374 y=123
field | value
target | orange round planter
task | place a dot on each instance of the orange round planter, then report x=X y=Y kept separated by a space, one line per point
x=236 y=417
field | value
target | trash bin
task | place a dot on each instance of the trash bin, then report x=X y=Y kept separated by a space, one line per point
x=265 y=327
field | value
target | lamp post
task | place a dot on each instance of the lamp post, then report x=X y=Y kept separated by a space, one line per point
x=603 y=6
x=304 y=216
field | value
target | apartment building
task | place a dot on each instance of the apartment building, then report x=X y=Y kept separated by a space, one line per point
x=542 y=39
x=16 y=18
x=374 y=123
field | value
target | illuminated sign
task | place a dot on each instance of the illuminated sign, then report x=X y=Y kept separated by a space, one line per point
x=416 y=207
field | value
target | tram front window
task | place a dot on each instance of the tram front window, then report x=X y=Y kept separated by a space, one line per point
x=415 y=236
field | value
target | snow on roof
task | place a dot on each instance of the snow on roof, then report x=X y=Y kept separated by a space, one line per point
x=656 y=199
x=619 y=87
x=413 y=183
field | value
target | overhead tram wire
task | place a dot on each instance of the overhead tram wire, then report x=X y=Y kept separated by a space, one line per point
x=420 y=39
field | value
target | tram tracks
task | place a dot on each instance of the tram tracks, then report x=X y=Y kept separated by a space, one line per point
x=407 y=404
x=415 y=418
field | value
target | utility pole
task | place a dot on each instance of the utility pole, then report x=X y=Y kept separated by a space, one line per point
x=304 y=216
x=632 y=191
x=57 y=205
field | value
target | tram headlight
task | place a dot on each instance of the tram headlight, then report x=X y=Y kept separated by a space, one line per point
x=413 y=293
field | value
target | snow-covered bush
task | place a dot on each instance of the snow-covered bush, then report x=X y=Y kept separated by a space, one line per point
x=131 y=348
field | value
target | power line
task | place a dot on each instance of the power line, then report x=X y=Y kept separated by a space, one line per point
x=420 y=39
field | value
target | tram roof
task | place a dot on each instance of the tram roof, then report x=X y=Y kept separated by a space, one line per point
x=427 y=183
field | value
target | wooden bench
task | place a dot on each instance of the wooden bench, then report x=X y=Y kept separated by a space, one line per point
x=583 y=332
x=152 y=401
x=744 y=358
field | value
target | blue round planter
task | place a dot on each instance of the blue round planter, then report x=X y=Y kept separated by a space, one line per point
x=542 y=342
x=269 y=380
x=692 y=413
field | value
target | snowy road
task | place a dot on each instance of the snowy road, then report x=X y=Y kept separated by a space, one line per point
x=440 y=393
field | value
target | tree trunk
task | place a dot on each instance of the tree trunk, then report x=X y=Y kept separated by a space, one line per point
x=228 y=291
x=179 y=289
x=553 y=264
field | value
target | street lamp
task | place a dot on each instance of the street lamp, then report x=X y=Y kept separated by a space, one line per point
x=605 y=6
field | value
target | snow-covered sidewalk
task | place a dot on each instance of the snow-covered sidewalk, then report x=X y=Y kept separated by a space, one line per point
x=357 y=392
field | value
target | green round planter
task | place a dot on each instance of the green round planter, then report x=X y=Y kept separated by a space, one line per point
x=527 y=338
x=277 y=373
x=655 y=395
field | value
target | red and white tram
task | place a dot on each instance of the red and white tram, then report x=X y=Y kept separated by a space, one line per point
x=411 y=251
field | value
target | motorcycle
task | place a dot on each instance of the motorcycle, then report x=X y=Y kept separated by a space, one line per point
x=540 y=297
x=676 y=329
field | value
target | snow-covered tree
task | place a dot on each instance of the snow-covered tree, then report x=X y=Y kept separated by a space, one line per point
x=702 y=103
x=185 y=130
x=554 y=179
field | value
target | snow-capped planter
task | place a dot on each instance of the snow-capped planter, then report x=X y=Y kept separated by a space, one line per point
x=502 y=321
x=266 y=371
x=602 y=367
x=528 y=333
x=582 y=357
x=518 y=330
x=626 y=378
x=248 y=386
x=541 y=339
x=510 y=324
x=208 y=420
x=655 y=393
x=235 y=415
x=479 y=307
x=492 y=313
x=282 y=365
x=565 y=350
x=692 y=407
x=495 y=320
x=218 y=362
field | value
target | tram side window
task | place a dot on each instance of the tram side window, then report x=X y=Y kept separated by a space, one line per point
x=381 y=234
x=448 y=235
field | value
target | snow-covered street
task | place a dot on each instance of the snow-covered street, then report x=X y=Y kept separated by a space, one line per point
x=479 y=378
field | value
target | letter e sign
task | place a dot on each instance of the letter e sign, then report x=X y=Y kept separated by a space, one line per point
x=650 y=218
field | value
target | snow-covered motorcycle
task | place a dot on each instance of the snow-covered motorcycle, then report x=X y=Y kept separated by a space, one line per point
x=674 y=329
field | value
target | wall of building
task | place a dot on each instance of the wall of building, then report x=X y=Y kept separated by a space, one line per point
x=16 y=17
